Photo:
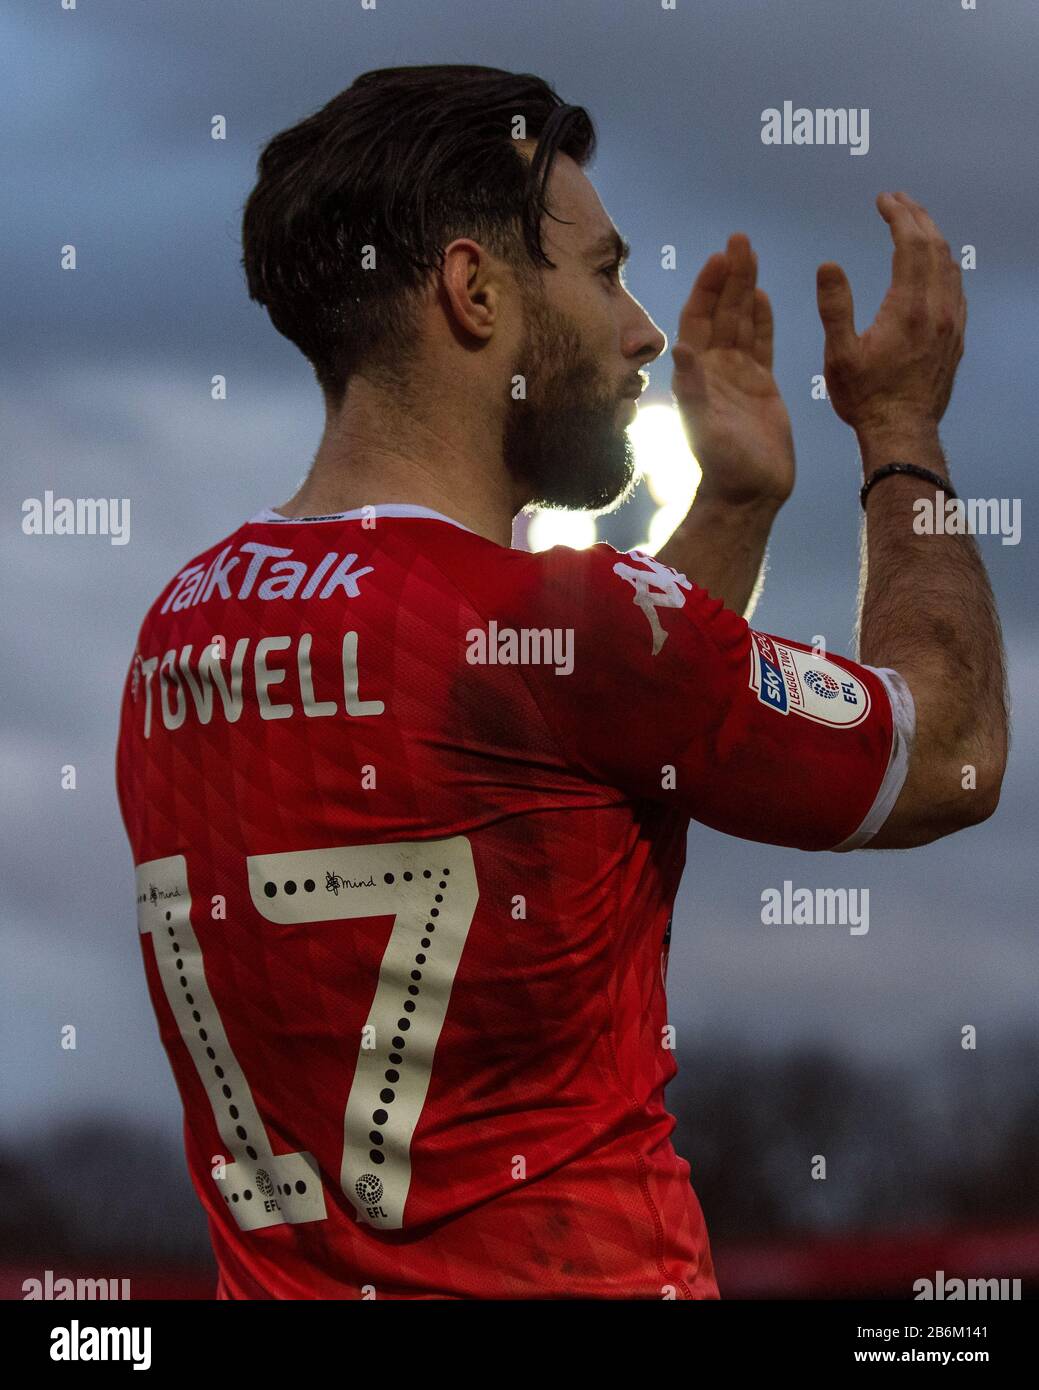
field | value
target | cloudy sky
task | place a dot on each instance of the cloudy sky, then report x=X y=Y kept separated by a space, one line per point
x=107 y=370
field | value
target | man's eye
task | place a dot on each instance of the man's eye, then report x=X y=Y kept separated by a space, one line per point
x=612 y=272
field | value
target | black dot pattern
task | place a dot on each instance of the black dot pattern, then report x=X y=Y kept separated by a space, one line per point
x=289 y=887
x=249 y=1186
x=408 y=1007
x=381 y=1117
x=218 y=1070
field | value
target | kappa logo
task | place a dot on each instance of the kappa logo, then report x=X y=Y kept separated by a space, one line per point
x=789 y=680
x=657 y=586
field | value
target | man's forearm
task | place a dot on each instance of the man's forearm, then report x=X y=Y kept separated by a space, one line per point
x=927 y=611
x=721 y=547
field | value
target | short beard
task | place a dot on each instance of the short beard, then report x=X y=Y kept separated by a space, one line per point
x=562 y=444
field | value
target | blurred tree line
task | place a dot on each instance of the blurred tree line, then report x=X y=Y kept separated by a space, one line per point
x=951 y=1144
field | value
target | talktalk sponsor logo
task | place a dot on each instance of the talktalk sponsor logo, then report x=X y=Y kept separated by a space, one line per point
x=266 y=571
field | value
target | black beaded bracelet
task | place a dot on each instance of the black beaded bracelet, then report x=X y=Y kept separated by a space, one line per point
x=914 y=470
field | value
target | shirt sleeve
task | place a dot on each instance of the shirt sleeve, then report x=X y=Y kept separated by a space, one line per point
x=671 y=697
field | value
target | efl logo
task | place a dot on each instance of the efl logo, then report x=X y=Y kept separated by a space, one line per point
x=789 y=680
x=824 y=686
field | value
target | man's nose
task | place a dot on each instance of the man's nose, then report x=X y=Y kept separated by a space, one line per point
x=645 y=340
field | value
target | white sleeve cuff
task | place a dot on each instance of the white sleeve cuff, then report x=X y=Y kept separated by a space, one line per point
x=903 y=717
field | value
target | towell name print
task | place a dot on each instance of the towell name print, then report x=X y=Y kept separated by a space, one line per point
x=188 y=686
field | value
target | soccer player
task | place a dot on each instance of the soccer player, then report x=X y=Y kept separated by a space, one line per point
x=408 y=807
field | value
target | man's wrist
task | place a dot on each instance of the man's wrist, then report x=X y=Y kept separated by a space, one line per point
x=756 y=512
x=907 y=440
x=720 y=545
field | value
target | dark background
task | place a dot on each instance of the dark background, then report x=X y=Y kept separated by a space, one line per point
x=792 y=1041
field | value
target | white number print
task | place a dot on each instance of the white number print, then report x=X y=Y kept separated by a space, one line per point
x=259 y=1188
x=429 y=888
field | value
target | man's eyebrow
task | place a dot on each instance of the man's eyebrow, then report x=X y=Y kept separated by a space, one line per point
x=610 y=241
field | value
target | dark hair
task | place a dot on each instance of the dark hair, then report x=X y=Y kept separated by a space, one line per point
x=404 y=160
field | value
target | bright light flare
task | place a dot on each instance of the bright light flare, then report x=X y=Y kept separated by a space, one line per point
x=549 y=527
x=663 y=458
x=671 y=473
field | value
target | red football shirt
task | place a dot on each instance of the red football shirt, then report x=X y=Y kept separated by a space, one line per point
x=408 y=811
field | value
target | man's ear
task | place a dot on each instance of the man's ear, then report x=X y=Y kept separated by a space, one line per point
x=471 y=288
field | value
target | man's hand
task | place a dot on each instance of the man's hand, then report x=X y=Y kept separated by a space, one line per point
x=736 y=424
x=902 y=368
x=731 y=409
x=926 y=607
